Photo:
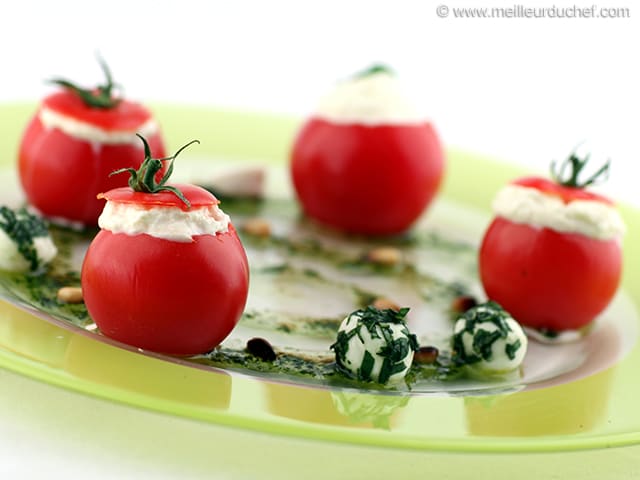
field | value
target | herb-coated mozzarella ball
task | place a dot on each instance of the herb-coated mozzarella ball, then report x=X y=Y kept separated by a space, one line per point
x=25 y=243
x=375 y=345
x=488 y=338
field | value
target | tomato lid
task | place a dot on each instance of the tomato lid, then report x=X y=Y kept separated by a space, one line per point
x=197 y=196
x=125 y=116
x=566 y=194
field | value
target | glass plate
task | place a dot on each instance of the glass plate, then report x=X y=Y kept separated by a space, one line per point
x=587 y=402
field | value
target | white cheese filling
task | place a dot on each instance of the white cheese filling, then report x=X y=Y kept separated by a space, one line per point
x=530 y=206
x=90 y=133
x=364 y=342
x=371 y=100
x=12 y=260
x=169 y=223
x=499 y=360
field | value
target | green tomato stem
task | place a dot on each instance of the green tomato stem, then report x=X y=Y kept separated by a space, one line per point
x=101 y=96
x=373 y=69
x=144 y=179
x=575 y=166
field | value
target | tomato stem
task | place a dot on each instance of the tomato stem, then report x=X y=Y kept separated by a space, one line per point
x=373 y=69
x=99 y=97
x=144 y=179
x=575 y=164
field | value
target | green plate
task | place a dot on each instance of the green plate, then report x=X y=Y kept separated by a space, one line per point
x=594 y=411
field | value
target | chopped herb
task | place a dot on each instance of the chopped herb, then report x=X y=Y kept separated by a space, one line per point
x=389 y=369
x=341 y=346
x=364 y=372
x=483 y=342
x=512 y=348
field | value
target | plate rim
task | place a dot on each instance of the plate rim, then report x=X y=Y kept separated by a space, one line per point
x=286 y=128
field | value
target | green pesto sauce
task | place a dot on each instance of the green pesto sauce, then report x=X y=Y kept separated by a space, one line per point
x=288 y=323
x=305 y=368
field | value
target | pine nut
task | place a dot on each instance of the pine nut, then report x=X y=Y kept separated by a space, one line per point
x=386 y=256
x=70 y=295
x=382 y=303
x=257 y=227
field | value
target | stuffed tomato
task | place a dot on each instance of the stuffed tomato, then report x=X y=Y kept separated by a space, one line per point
x=365 y=162
x=167 y=271
x=552 y=257
x=74 y=141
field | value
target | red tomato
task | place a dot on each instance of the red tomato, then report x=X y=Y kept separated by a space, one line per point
x=61 y=172
x=547 y=279
x=178 y=298
x=567 y=194
x=197 y=196
x=366 y=179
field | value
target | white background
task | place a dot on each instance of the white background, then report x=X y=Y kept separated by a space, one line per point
x=524 y=90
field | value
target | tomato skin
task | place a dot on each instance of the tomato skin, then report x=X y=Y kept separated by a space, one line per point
x=62 y=175
x=566 y=194
x=125 y=116
x=366 y=179
x=198 y=197
x=177 y=298
x=548 y=279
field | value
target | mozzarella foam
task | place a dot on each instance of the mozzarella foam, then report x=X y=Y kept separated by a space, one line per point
x=527 y=205
x=90 y=133
x=12 y=260
x=169 y=223
x=371 y=100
